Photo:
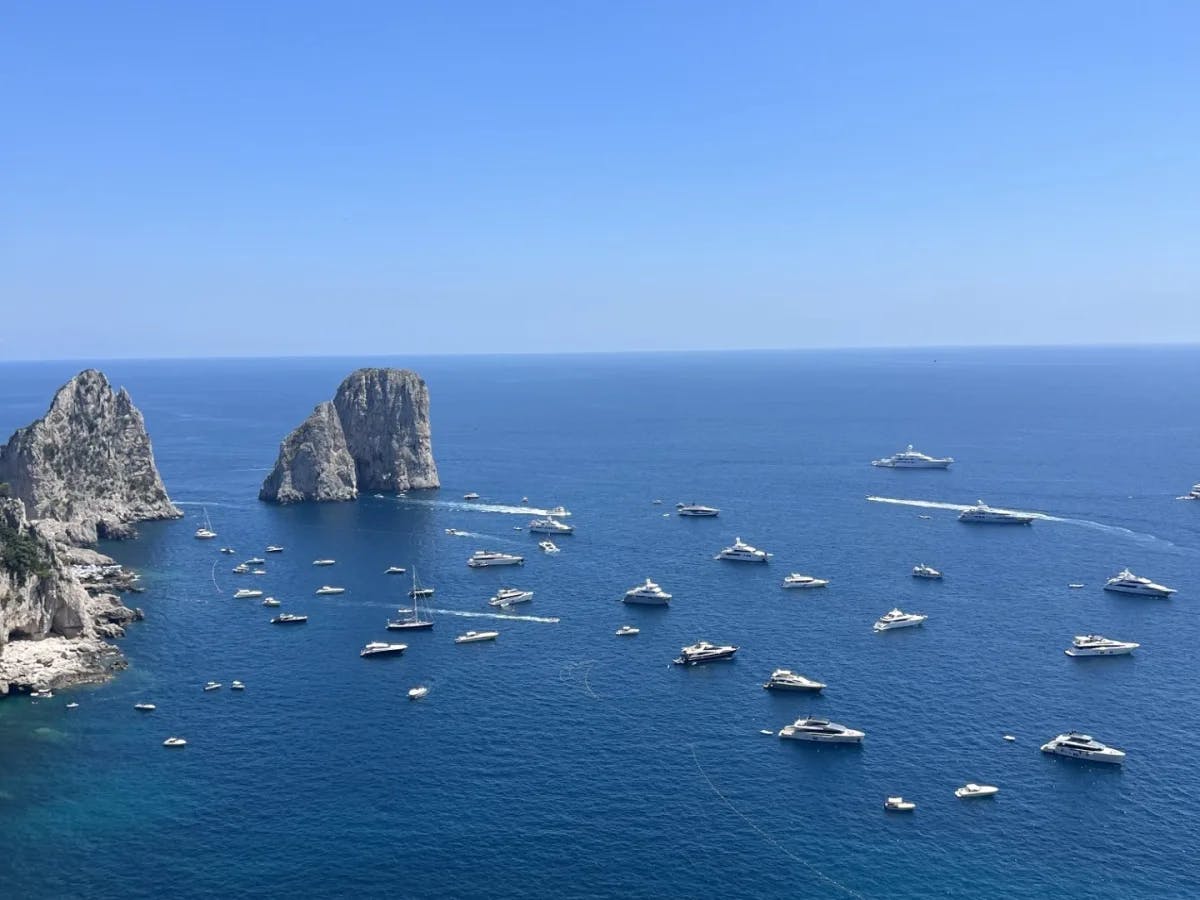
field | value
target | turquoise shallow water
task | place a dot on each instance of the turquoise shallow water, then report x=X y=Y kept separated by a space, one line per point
x=562 y=761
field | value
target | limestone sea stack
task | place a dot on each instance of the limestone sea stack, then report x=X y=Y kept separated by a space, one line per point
x=373 y=436
x=86 y=469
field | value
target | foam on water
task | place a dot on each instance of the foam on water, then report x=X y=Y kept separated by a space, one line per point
x=551 y=620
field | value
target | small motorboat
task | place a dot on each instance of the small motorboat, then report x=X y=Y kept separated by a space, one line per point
x=145 y=707
x=255 y=561
x=923 y=571
x=898 y=804
x=976 y=790
x=237 y=686
x=548 y=546
x=470 y=495
x=213 y=686
x=418 y=692
x=247 y=594
x=324 y=562
x=627 y=631
x=174 y=742
x=274 y=548
x=473 y=637
x=240 y=569
x=41 y=694
x=1009 y=738
x=259 y=572
x=420 y=593
x=72 y=706
x=327 y=591
x=1075 y=584
x=289 y=619
x=394 y=570
x=456 y=532
x=271 y=601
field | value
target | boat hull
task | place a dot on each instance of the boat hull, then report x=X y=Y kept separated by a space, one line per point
x=1100 y=651
x=1085 y=755
x=706 y=658
x=791 y=735
x=645 y=601
x=409 y=626
x=789 y=686
x=1141 y=590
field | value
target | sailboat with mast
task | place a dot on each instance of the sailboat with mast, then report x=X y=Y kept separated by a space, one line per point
x=205 y=532
x=414 y=621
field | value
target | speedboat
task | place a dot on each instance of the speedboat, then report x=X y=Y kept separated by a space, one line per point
x=457 y=532
x=247 y=594
x=175 y=742
x=1083 y=746
x=228 y=551
x=696 y=511
x=1096 y=645
x=703 y=652
x=981 y=513
x=971 y=789
x=796 y=581
x=821 y=730
x=1125 y=582
x=237 y=686
x=561 y=511
x=205 y=534
x=270 y=601
x=418 y=692
x=548 y=546
x=743 y=552
x=472 y=637
x=213 y=686
x=255 y=561
x=289 y=619
x=787 y=680
x=324 y=562
x=509 y=596
x=378 y=648
x=913 y=459
x=394 y=570
x=898 y=804
x=274 y=549
x=898 y=619
x=482 y=558
x=325 y=590
x=924 y=571
x=471 y=495
x=550 y=526
x=145 y=707
x=627 y=631
x=648 y=594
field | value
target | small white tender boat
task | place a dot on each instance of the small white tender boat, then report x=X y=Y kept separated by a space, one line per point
x=324 y=562
x=237 y=686
x=394 y=570
x=325 y=590
x=247 y=594
x=175 y=742
x=971 y=789
x=548 y=546
x=627 y=631
x=271 y=601
x=144 y=707
x=213 y=686
x=72 y=706
x=418 y=692
x=898 y=804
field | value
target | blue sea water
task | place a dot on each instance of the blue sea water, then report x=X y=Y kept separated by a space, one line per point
x=562 y=761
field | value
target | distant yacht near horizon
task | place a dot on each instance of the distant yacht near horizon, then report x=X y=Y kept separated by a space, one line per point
x=912 y=459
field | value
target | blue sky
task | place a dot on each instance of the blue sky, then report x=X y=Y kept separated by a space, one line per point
x=211 y=178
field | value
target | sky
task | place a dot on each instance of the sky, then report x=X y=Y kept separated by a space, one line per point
x=296 y=178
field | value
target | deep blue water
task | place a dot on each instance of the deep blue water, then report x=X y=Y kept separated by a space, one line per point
x=562 y=761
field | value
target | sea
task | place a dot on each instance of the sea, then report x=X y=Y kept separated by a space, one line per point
x=562 y=761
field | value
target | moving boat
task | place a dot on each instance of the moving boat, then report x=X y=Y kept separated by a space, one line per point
x=550 y=526
x=1125 y=582
x=703 y=652
x=898 y=619
x=274 y=549
x=394 y=570
x=924 y=571
x=247 y=594
x=325 y=590
x=470 y=495
x=913 y=459
x=548 y=546
x=483 y=558
x=898 y=804
x=237 y=686
x=648 y=594
x=145 y=707
x=414 y=622
x=270 y=601
x=255 y=561
x=509 y=596
x=743 y=552
x=1076 y=745
x=627 y=631
x=796 y=581
x=560 y=511
x=821 y=730
x=324 y=562
x=1097 y=645
x=213 y=686
x=379 y=648
x=418 y=692
x=472 y=637
x=205 y=532
x=696 y=511
x=175 y=742
x=981 y=513
x=289 y=619
x=457 y=532
x=970 y=789
x=787 y=680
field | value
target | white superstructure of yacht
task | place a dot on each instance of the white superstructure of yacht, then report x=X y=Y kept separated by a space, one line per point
x=898 y=619
x=379 y=648
x=1098 y=645
x=983 y=514
x=648 y=594
x=787 y=680
x=1125 y=582
x=742 y=552
x=510 y=596
x=924 y=571
x=483 y=558
x=703 y=651
x=697 y=511
x=821 y=730
x=550 y=526
x=1083 y=746
x=913 y=459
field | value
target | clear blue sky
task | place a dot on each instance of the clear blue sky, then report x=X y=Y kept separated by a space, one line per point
x=261 y=178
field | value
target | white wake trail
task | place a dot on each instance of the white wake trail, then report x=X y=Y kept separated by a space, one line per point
x=550 y=620
x=465 y=506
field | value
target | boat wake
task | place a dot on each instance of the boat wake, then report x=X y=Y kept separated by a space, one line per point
x=549 y=620
x=475 y=506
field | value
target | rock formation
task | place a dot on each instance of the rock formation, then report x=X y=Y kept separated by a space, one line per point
x=374 y=436
x=86 y=469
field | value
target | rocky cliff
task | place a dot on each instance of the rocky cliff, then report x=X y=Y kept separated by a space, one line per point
x=374 y=436
x=86 y=469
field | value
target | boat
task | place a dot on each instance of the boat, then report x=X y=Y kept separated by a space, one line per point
x=378 y=496
x=648 y=594
x=237 y=686
x=471 y=495
x=421 y=593
x=1125 y=582
x=270 y=601
x=255 y=561
x=550 y=526
x=1009 y=738
x=456 y=532
x=247 y=594
x=474 y=637
x=418 y=692
x=1075 y=584
x=971 y=789
x=41 y=693
x=379 y=648
x=913 y=459
x=696 y=511
x=703 y=652
x=742 y=552
x=145 y=707
x=822 y=731
x=205 y=532
x=213 y=686
x=483 y=558
x=548 y=546
x=394 y=570
x=1194 y=493
x=228 y=551
x=981 y=513
x=1076 y=745
x=1097 y=645
x=259 y=572
x=898 y=804
x=924 y=571
x=289 y=619
x=898 y=619
x=175 y=742
x=524 y=501
x=414 y=621
x=326 y=590
x=509 y=596
x=241 y=569
x=627 y=631
x=324 y=562
x=72 y=706
x=659 y=503
x=797 y=581
x=560 y=511
x=787 y=680
x=274 y=548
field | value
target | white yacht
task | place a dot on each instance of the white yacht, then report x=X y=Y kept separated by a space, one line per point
x=924 y=571
x=1083 y=746
x=548 y=546
x=1125 y=582
x=696 y=511
x=247 y=594
x=394 y=570
x=259 y=572
x=743 y=552
x=421 y=593
x=274 y=549
x=237 y=686
x=228 y=551
x=145 y=707
x=983 y=514
x=175 y=742
x=270 y=601
x=205 y=531
x=1097 y=645
x=255 y=561
x=898 y=804
x=379 y=648
x=510 y=596
x=797 y=581
x=457 y=532
x=418 y=692
x=787 y=680
x=289 y=619
x=971 y=789
x=326 y=591
x=241 y=569
x=550 y=526
x=1194 y=493
x=413 y=620
x=913 y=459
x=648 y=594
x=627 y=631
x=324 y=562
x=703 y=651
x=561 y=511
x=898 y=619
x=821 y=730
x=483 y=558
x=473 y=637
x=213 y=686
x=470 y=495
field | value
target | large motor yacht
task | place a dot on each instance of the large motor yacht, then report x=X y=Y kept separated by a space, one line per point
x=742 y=552
x=509 y=596
x=697 y=511
x=550 y=526
x=379 y=648
x=1083 y=746
x=1097 y=645
x=898 y=619
x=482 y=558
x=912 y=459
x=797 y=581
x=289 y=619
x=787 y=680
x=648 y=594
x=983 y=514
x=1125 y=582
x=703 y=651
x=924 y=571
x=1194 y=493
x=810 y=729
